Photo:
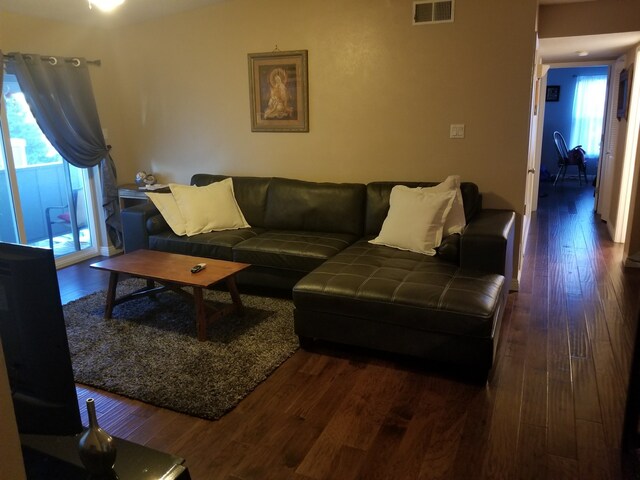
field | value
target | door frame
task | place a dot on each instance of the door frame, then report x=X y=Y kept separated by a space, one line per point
x=541 y=112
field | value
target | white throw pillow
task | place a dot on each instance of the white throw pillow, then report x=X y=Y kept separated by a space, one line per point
x=456 y=220
x=416 y=219
x=209 y=208
x=169 y=211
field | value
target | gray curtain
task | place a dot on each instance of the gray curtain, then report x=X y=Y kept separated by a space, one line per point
x=59 y=93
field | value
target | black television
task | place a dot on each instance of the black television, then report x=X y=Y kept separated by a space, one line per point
x=34 y=340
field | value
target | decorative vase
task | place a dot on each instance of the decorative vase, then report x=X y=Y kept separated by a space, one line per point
x=140 y=176
x=96 y=448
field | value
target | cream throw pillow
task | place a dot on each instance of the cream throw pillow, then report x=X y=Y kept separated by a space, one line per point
x=416 y=219
x=209 y=208
x=169 y=211
x=456 y=220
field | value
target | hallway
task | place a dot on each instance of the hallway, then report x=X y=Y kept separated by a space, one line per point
x=582 y=309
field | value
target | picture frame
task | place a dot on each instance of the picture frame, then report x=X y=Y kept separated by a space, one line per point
x=279 y=91
x=553 y=93
x=624 y=89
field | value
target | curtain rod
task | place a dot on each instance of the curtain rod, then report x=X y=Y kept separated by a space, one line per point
x=68 y=60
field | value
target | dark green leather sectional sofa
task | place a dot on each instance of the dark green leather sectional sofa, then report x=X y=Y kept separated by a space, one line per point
x=312 y=238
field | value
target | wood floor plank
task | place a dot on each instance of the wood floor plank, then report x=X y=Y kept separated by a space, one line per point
x=595 y=459
x=561 y=434
x=418 y=420
x=532 y=453
x=586 y=400
x=505 y=422
x=356 y=423
x=440 y=456
x=579 y=343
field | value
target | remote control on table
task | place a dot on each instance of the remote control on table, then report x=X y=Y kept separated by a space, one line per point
x=197 y=268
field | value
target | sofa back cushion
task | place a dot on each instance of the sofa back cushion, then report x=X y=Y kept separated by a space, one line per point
x=315 y=207
x=250 y=193
x=378 y=201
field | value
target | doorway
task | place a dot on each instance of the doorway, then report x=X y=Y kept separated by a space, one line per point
x=46 y=202
x=575 y=106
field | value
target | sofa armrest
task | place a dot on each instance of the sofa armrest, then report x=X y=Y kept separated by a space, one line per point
x=134 y=225
x=487 y=242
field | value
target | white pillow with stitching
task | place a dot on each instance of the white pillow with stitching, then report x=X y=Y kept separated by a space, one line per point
x=456 y=220
x=415 y=220
x=209 y=208
x=169 y=210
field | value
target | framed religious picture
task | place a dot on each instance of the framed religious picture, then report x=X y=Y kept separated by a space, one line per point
x=278 y=90
x=624 y=87
x=553 y=93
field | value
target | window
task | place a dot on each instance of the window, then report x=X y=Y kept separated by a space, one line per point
x=588 y=112
x=37 y=186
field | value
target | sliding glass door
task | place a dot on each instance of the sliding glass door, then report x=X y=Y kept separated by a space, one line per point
x=8 y=224
x=46 y=201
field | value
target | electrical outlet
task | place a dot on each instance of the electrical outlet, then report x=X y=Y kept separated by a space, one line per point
x=456 y=130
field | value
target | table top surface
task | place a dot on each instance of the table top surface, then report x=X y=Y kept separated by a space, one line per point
x=134 y=188
x=171 y=267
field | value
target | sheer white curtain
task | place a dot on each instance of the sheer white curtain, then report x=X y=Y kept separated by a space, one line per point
x=588 y=112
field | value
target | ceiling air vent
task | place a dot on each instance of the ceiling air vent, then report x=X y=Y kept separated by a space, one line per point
x=434 y=11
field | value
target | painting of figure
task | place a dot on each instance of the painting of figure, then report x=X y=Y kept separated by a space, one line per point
x=278 y=91
x=276 y=87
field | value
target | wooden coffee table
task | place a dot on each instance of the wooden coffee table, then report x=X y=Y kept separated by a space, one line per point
x=173 y=271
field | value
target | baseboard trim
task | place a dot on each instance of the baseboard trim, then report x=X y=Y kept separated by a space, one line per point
x=515 y=285
x=628 y=263
x=109 y=251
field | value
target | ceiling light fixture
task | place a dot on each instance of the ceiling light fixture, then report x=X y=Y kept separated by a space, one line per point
x=582 y=53
x=105 y=5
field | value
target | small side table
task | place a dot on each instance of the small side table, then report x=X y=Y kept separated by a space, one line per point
x=130 y=194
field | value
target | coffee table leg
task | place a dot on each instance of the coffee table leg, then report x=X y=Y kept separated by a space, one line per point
x=235 y=295
x=201 y=314
x=111 y=294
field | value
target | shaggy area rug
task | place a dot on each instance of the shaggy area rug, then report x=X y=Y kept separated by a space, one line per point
x=149 y=350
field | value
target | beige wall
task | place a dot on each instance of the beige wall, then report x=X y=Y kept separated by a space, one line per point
x=589 y=18
x=632 y=240
x=382 y=93
x=174 y=93
x=632 y=243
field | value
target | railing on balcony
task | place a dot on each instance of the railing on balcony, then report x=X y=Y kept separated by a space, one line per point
x=42 y=187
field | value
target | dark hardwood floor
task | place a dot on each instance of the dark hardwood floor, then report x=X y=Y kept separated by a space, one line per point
x=553 y=408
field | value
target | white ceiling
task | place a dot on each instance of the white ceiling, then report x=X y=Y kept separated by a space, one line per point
x=77 y=11
x=598 y=47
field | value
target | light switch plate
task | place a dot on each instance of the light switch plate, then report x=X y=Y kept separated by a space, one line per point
x=456 y=130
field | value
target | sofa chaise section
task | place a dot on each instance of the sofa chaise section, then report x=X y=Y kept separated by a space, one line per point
x=402 y=302
x=446 y=309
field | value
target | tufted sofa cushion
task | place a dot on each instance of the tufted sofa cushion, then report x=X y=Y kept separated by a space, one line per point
x=315 y=207
x=213 y=244
x=301 y=251
x=403 y=288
